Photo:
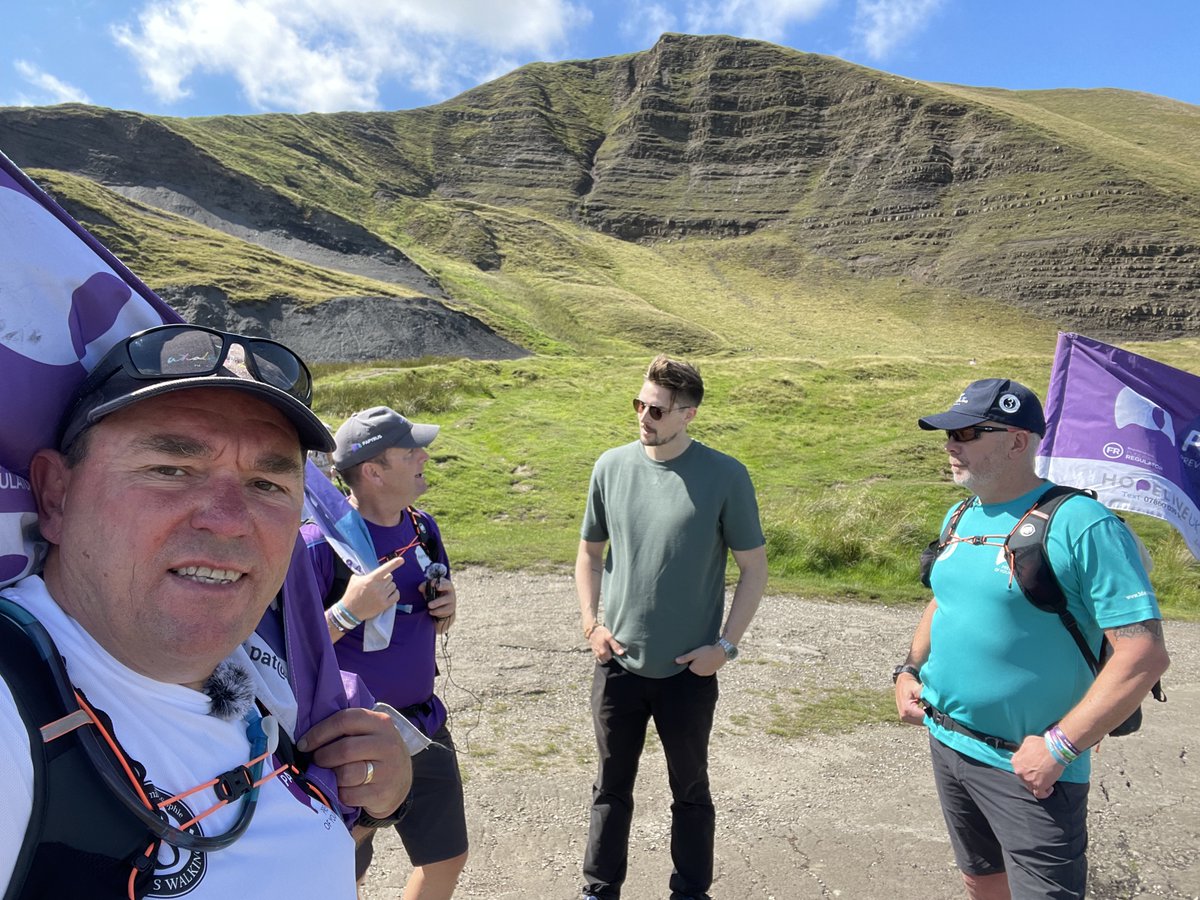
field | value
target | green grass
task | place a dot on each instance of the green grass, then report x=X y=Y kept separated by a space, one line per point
x=167 y=250
x=823 y=334
x=850 y=489
x=793 y=716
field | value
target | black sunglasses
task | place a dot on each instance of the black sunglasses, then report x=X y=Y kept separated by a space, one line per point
x=190 y=351
x=972 y=433
x=656 y=412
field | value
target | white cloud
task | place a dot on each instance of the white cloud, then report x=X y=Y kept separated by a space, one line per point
x=50 y=89
x=764 y=19
x=647 y=23
x=881 y=25
x=326 y=55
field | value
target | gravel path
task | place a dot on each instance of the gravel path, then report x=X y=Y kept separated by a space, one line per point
x=851 y=815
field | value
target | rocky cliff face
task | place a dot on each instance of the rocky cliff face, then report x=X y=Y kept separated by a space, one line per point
x=349 y=329
x=892 y=178
x=698 y=136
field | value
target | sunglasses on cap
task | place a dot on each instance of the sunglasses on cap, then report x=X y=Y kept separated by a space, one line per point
x=972 y=433
x=192 y=351
x=656 y=412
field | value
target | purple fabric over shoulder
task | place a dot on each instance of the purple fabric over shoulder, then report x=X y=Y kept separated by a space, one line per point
x=318 y=686
x=65 y=301
x=1127 y=427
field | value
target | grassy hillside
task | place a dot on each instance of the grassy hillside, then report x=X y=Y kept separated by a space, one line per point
x=1155 y=137
x=850 y=488
x=167 y=250
x=839 y=248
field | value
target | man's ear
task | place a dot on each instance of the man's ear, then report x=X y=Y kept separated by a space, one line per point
x=49 y=477
x=1021 y=442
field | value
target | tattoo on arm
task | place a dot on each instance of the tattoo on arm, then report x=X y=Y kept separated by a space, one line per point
x=1152 y=627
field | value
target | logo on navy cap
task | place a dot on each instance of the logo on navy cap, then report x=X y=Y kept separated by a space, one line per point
x=1009 y=403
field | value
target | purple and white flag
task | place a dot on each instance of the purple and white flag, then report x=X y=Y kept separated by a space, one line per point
x=64 y=301
x=1127 y=427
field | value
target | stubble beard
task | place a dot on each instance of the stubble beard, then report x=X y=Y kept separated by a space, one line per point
x=656 y=438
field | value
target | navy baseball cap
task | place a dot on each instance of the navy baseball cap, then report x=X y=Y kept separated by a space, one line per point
x=991 y=400
x=178 y=357
x=370 y=432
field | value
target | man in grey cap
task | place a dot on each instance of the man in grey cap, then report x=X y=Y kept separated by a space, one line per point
x=385 y=626
x=170 y=509
x=1011 y=704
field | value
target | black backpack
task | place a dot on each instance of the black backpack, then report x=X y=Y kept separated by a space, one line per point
x=82 y=840
x=1025 y=549
x=89 y=834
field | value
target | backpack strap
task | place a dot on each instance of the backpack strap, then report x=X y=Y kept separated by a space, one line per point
x=930 y=554
x=81 y=840
x=341 y=578
x=425 y=534
x=1029 y=562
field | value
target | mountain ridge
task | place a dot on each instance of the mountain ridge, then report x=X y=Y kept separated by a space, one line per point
x=1043 y=203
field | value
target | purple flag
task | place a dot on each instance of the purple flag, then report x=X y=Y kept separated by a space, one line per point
x=64 y=301
x=1128 y=428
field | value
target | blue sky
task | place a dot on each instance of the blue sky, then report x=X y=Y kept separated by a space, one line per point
x=207 y=57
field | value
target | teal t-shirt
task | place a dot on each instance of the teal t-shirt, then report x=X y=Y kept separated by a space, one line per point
x=669 y=526
x=998 y=664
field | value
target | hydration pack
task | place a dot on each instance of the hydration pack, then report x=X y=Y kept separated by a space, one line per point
x=89 y=833
x=1029 y=562
x=82 y=840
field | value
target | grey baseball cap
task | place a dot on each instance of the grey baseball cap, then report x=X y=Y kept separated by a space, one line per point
x=991 y=400
x=368 y=433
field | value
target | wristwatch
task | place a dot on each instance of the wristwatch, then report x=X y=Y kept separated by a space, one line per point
x=905 y=667
x=731 y=650
x=369 y=821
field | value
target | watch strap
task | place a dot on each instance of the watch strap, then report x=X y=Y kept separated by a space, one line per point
x=369 y=821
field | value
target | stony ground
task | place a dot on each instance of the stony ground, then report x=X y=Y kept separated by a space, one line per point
x=850 y=815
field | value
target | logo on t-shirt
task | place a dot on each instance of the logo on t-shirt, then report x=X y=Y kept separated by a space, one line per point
x=1002 y=563
x=178 y=871
x=267 y=660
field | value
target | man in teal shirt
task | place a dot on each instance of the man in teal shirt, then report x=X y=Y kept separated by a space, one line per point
x=998 y=673
x=670 y=510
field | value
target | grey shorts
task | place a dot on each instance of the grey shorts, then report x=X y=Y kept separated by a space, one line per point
x=996 y=825
x=435 y=827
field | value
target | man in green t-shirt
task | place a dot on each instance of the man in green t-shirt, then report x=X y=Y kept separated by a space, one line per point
x=1011 y=705
x=670 y=510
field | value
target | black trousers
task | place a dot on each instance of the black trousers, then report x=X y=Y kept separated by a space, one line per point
x=682 y=707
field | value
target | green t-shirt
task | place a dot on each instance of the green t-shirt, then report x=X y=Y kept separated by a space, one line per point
x=998 y=664
x=669 y=526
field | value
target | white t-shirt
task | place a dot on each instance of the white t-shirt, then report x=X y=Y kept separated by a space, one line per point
x=294 y=847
